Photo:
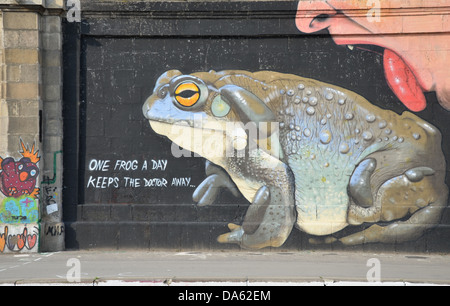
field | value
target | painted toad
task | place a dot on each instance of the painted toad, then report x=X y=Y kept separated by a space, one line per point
x=305 y=154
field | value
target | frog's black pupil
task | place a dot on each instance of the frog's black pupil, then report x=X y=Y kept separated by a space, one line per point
x=187 y=93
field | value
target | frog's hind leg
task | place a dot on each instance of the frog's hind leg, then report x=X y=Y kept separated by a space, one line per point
x=423 y=197
x=401 y=231
x=268 y=221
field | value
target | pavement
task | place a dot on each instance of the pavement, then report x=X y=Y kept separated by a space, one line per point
x=204 y=268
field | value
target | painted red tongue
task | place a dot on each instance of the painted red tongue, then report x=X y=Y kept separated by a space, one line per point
x=403 y=82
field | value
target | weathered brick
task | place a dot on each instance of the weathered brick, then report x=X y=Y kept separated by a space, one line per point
x=22 y=91
x=13 y=109
x=21 y=39
x=52 y=143
x=19 y=20
x=3 y=142
x=28 y=138
x=13 y=73
x=51 y=24
x=52 y=92
x=51 y=41
x=23 y=108
x=4 y=123
x=3 y=109
x=52 y=75
x=53 y=127
x=22 y=73
x=29 y=73
x=51 y=58
x=21 y=56
x=23 y=125
x=52 y=109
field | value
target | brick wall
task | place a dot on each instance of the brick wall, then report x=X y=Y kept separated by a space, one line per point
x=31 y=121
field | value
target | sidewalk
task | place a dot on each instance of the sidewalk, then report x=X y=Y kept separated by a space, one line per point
x=215 y=268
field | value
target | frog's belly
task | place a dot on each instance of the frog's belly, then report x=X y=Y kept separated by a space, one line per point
x=322 y=214
x=321 y=196
x=322 y=208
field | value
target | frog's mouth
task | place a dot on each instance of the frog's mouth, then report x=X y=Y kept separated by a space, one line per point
x=400 y=76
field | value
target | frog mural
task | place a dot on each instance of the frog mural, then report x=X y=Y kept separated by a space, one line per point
x=322 y=158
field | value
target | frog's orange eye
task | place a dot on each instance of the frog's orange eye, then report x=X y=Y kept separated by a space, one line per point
x=187 y=94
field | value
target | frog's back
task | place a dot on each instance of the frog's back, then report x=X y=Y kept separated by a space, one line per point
x=314 y=113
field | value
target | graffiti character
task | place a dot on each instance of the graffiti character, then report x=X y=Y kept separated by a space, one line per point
x=18 y=178
x=322 y=157
x=413 y=62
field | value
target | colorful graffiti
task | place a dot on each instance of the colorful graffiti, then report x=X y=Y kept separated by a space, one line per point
x=415 y=47
x=18 y=238
x=19 y=209
x=305 y=154
x=18 y=178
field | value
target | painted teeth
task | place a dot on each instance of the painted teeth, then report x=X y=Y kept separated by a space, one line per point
x=351 y=47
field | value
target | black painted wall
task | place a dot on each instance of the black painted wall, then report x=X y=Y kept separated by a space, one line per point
x=119 y=175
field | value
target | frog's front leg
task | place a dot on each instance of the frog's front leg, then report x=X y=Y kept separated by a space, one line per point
x=268 y=222
x=207 y=191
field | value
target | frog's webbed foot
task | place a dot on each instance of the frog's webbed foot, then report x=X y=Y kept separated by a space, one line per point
x=268 y=222
x=206 y=193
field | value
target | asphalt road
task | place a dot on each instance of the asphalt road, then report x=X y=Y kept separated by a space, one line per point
x=161 y=268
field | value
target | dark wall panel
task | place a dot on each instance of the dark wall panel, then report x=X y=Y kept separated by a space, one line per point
x=130 y=186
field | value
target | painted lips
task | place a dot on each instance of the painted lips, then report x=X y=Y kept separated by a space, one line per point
x=403 y=82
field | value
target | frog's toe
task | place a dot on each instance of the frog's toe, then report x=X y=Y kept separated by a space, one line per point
x=206 y=192
x=233 y=226
x=322 y=240
x=235 y=236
